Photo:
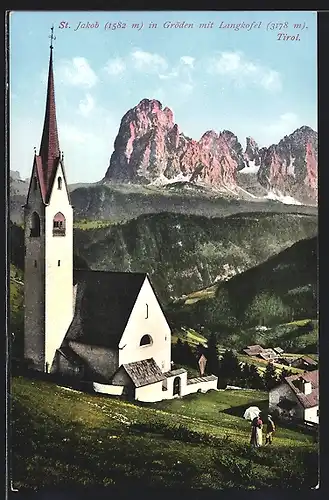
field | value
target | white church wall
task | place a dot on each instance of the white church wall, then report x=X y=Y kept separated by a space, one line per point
x=113 y=390
x=311 y=414
x=146 y=318
x=59 y=270
x=199 y=386
x=150 y=393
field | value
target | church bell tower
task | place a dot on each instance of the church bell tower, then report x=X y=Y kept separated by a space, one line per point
x=48 y=223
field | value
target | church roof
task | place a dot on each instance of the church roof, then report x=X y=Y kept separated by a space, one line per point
x=49 y=157
x=104 y=302
x=144 y=372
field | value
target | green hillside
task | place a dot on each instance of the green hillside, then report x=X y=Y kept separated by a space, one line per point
x=62 y=437
x=261 y=304
x=181 y=253
x=184 y=253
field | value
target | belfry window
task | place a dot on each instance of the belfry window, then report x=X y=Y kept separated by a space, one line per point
x=146 y=340
x=59 y=183
x=35 y=184
x=35 y=225
x=59 y=225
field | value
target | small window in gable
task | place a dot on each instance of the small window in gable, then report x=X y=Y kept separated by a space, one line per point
x=59 y=228
x=35 y=184
x=146 y=340
x=59 y=183
x=59 y=263
x=35 y=263
x=147 y=311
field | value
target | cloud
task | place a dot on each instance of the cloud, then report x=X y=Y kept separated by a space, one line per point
x=148 y=62
x=188 y=60
x=77 y=72
x=86 y=105
x=115 y=66
x=186 y=88
x=272 y=132
x=235 y=66
x=284 y=125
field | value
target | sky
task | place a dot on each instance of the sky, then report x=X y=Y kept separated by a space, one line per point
x=243 y=78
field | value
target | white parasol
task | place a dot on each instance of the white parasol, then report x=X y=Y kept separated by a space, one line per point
x=251 y=413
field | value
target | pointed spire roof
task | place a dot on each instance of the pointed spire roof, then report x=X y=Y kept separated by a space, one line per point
x=49 y=153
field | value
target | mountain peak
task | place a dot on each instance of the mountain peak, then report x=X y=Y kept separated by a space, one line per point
x=150 y=148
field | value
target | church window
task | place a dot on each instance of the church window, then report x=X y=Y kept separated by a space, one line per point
x=35 y=225
x=35 y=263
x=35 y=183
x=59 y=183
x=146 y=340
x=59 y=263
x=59 y=225
x=147 y=311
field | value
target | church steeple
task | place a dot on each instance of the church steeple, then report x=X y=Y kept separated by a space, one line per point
x=49 y=148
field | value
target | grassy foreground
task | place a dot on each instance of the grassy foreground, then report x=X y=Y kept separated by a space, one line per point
x=62 y=437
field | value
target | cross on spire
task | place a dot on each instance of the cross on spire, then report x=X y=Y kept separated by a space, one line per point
x=52 y=36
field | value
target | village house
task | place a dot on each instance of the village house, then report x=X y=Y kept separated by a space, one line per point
x=297 y=397
x=253 y=350
x=106 y=328
x=304 y=363
x=258 y=351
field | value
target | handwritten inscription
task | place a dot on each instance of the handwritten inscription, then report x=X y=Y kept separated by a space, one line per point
x=280 y=28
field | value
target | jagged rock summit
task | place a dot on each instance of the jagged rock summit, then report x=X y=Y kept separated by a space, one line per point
x=291 y=166
x=150 y=149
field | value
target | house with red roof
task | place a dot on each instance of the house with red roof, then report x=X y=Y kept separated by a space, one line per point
x=297 y=397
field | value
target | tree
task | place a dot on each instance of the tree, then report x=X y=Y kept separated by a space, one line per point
x=182 y=354
x=270 y=378
x=284 y=373
x=177 y=351
x=245 y=375
x=255 y=380
x=266 y=308
x=229 y=368
x=188 y=357
x=212 y=366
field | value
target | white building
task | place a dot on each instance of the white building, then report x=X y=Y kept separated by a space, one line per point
x=107 y=328
x=297 y=397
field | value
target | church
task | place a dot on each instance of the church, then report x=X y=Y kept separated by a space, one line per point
x=106 y=328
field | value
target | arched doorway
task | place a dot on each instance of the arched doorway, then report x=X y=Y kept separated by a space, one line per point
x=176 y=386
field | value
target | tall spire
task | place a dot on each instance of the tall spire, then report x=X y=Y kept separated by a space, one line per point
x=49 y=147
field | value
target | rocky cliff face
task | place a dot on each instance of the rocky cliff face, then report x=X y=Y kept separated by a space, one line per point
x=291 y=166
x=149 y=147
x=252 y=152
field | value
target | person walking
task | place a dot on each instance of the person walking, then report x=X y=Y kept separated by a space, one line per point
x=270 y=429
x=256 y=438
